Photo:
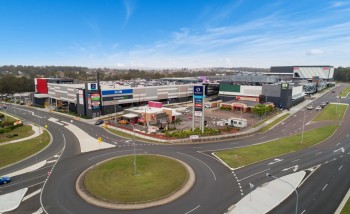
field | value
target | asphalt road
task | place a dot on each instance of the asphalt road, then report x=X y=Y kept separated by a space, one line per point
x=216 y=187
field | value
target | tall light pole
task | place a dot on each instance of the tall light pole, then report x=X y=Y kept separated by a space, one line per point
x=39 y=126
x=294 y=188
x=302 y=132
x=133 y=129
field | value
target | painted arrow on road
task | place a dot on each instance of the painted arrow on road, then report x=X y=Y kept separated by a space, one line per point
x=295 y=168
x=276 y=161
x=341 y=149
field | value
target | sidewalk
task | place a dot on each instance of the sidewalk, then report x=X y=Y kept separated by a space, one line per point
x=267 y=196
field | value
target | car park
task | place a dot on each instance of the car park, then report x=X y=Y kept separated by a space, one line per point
x=309 y=108
x=99 y=122
x=4 y=180
x=318 y=108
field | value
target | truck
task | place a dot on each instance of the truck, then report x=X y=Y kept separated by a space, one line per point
x=236 y=122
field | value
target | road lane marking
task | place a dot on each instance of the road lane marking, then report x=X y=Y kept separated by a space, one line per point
x=340 y=167
x=325 y=186
x=318 y=153
x=8 y=185
x=110 y=153
x=303 y=212
x=39 y=211
x=193 y=209
x=31 y=195
x=201 y=162
x=254 y=174
x=337 y=144
x=295 y=160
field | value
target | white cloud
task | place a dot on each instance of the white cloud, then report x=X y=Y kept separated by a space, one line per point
x=315 y=52
x=129 y=10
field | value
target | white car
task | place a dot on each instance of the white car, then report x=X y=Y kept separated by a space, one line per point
x=318 y=108
x=309 y=108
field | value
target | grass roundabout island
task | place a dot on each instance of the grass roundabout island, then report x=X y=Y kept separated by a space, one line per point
x=113 y=183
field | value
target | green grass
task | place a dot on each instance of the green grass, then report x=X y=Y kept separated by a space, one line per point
x=11 y=153
x=266 y=119
x=273 y=123
x=332 y=112
x=114 y=180
x=345 y=91
x=130 y=136
x=22 y=132
x=346 y=209
x=248 y=155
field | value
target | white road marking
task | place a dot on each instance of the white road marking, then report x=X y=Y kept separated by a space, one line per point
x=341 y=149
x=39 y=211
x=202 y=163
x=340 y=167
x=51 y=161
x=318 y=153
x=295 y=168
x=325 y=186
x=31 y=195
x=254 y=174
x=276 y=161
x=25 y=180
x=295 y=160
x=337 y=144
x=192 y=209
x=303 y=211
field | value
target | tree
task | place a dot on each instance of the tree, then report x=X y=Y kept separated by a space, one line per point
x=259 y=109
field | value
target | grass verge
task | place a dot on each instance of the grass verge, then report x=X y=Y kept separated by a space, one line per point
x=332 y=112
x=345 y=92
x=273 y=123
x=130 y=136
x=14 y=152
x=346 y=208
x=244 y=156
x=266 y=119
x=156 y=178
x=21 y=132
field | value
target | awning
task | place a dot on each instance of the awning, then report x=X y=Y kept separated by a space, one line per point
x=41 y=95
x=130 y=115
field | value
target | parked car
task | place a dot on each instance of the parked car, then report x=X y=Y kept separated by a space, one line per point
x=207 y=106
x=318 y=108
x=186 y=111
x=323 y=104
x=99 y=122
x=309 y=108
x=4 y=180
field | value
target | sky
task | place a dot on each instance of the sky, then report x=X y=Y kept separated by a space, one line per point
x=175 y=33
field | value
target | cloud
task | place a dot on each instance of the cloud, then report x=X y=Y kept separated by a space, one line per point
x=129 y=10
x=315 y=52
x=339 y=3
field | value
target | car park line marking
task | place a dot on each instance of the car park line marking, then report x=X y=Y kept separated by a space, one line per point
x=110 y=153
x=340 y=167
x=31 y=195
x=202 y=163
x=193 y=209
x=254 y=174
x=325 y=186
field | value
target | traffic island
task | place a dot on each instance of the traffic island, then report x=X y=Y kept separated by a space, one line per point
x=113 y=183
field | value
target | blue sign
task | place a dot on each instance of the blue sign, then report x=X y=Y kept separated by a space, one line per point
x=198 y=90
x=198 y=100
x=122 y=91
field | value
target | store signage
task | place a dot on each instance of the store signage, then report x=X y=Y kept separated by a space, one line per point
x=92 y=86
x=122 y=91
x=118 y=97
x=198 y=90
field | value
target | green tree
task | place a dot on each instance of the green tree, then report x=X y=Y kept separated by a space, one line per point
x=259 y=109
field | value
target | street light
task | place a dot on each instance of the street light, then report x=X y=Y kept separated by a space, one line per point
x=302 y=132
x=134 y=149
x=295 y=190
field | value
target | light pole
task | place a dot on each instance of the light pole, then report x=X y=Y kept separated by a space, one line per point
x=294 y=188
x=302 y=132
x=39 y=126
x=133 y=129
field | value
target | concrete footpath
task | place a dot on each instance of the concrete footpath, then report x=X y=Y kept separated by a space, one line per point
x=266 y=197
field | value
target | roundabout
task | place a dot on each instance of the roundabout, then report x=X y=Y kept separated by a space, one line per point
x=115 y=184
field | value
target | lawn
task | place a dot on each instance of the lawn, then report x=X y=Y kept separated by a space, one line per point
x=267 y=127
x=266 y=119
x=345 y=92
x=331 y=112
x=15 y=152
x=21 y=132
x=156 y=178
x=247 y=155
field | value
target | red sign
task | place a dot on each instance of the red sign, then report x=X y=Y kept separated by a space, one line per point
x=198 y=105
